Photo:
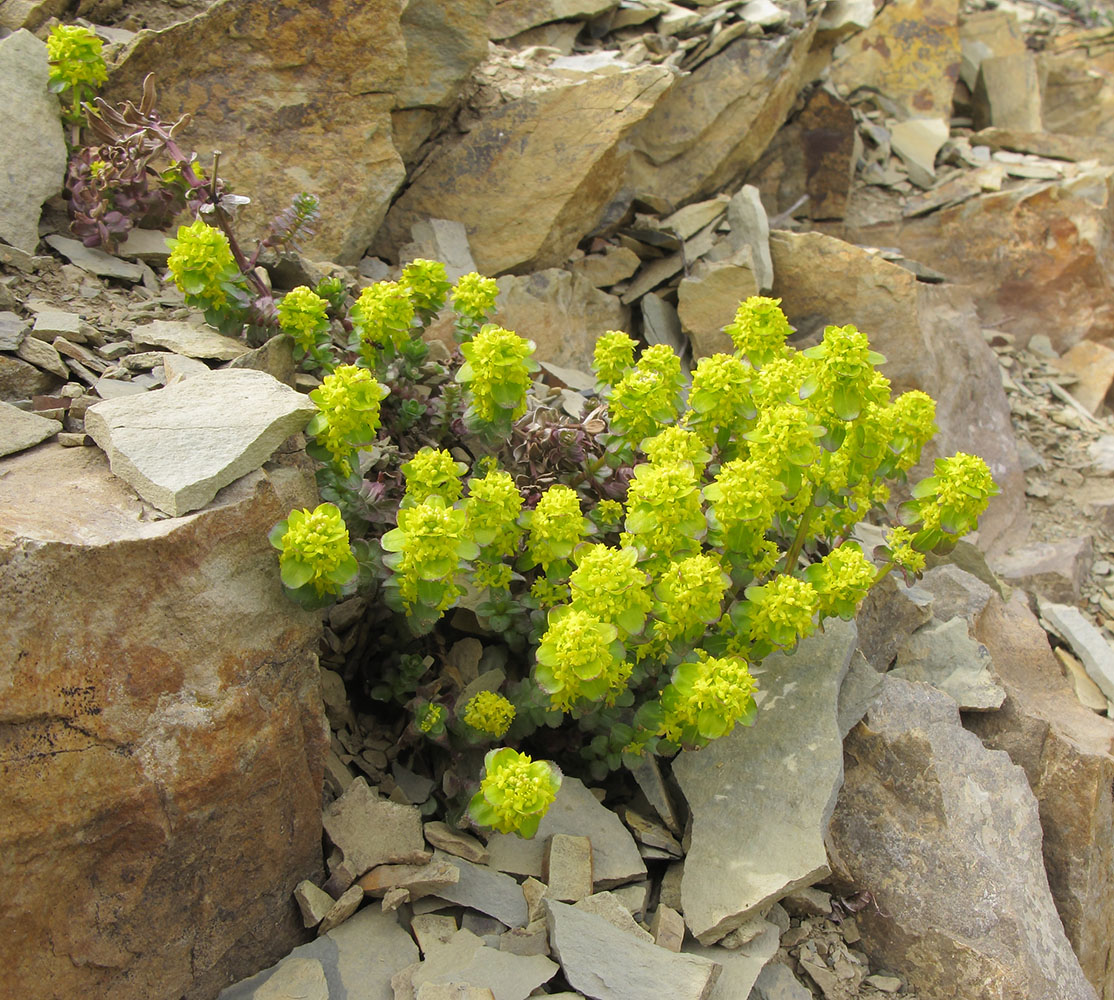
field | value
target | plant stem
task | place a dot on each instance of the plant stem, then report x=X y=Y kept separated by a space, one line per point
x=794 y=552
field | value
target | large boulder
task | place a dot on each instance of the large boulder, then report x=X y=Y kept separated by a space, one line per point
x=1067 y=752
x=946 y=836
x=162 y=738
x=534 y=175
x=931 y=339
x=297 y=97
x=1036 y=258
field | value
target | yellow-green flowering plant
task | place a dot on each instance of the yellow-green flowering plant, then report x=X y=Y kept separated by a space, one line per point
x=76 y=65
x=316 y=561
x=627 y=568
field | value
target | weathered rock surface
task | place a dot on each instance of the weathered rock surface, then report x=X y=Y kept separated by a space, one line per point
x=177 y=447
x=356 y=959
x=606 y=963
x=922 y=797
x=944 y=655
x=932 y=341
x=525 y=194
x=20 y=430
x=739 y=966
x=1067 y=753
x=161 y=735
x=1086 y=641
x=767 y=778
x=33 y=154
x=1053 y=570
x=481 y=888
x=444 y=43
x=320 y=112
x=1036 y=258
x=1078 y=84
x=576 y=811
x=716 y=121
x=188 y=339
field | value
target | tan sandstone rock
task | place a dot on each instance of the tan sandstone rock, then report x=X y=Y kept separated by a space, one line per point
x=296 y=96
x=161 y=735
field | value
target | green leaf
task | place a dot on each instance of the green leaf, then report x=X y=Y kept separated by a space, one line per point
x=274 y=536
x=295 y=573
x=846 y=403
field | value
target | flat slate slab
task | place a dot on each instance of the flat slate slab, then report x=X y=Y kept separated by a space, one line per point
x=20 y=430
x=189 y=340
x=178 y=446
x=779 y=777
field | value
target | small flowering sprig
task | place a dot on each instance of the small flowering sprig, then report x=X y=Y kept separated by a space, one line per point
x=948 y=504
x=777 y=614
x=841 y=580
x=304 y=316
x=316 y=561
x=381 y=322
x=608 y=584
x=515 y=792
x=759 y=330
x=496 y=372
x=433 y=472
x=845 y=377
x=579 y=659
x=473 y=298
x=427 y=286
x=492 y=509
x=204 y=269
x=706 y=698
x=347 y=417
x=555 y=527
x=489 y=713
x=76 y=64
x=612 y=358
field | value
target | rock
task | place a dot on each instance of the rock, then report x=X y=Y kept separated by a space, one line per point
x=651 y=834
x=776 y=982
x=726 y=881
x=188 y=339
x=456 y=843
x=320 y=115
x=561 y=312
x=646 y=771
x=1008 y=94
x=444 y=43
x=177 y=447
x=370 y=831
x=465 y=959
x=708 y=297
x=452 y=991
x=688 y=221
x=1052 y=570
x=297 y=977
x=609 y=906
x=212 y=686
x=741 y=965
x=842 y=16
x=955 y=593
x=34 y=148
x=432 y=930
x=178 y=367
x=1065 y=750
x=568 y=867
x=275 y=357
x=1077 y=84
x=1085 y=640
x=1036 y=258
x=115 y=388
x=19 y=380
x=606 y=964
x=484 y=889
x=716 y=121
x=932 y=341
x=417 y=880
x=512 y=17
x=313 y=902
x=668 y=928
x=575 y=811
x=95 y=261
x=20 y=430
x=1085 y=689
x=525 y=194
x=660 y=322
x=147 y=245
x=859 y=688
x=13 y=330
x=443 y=240
x=1093 y=365
x=917 y=141
x=42 y=355
x=602 y=270
x=51 y=323
x=29 y=14
x=910 y=53
x=749 y=227
x=347 y=904
x=922 y=798
x=944 y=655
x=358 y=958
x=831 y=146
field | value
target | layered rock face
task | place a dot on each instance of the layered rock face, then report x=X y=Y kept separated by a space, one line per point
x=161 y=734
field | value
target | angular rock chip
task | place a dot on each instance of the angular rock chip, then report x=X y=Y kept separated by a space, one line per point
x=464 y=959
x=179 y=446
x=606 y=963
x=1066 y=752
x=944 y=655
x=34 y=149
x=189 y=340
x=20 y=430
x=371 y=831
x=527 y=195
x=777 y=982
x=444 y=43
x=321 y=114
x=481 y=888
x=708 y=297
x=742 y=965
x=512 y=17
x=1085 y=640
x=1054 y=571
x=780 y=776
x=611 y=908
x=95 y=261
x=923 y=798
x=575 y=811
x=455 y=842
x=417 y=880
x=360 y=957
